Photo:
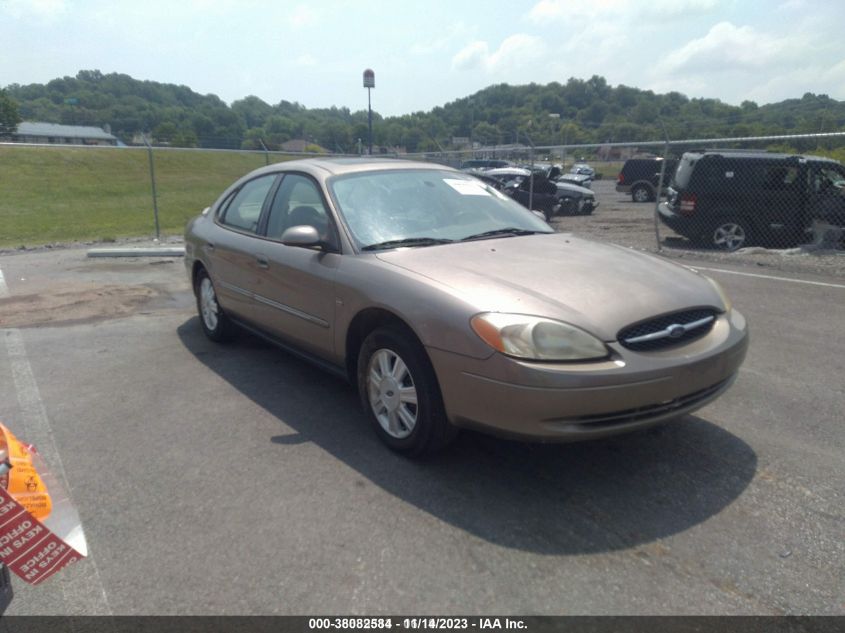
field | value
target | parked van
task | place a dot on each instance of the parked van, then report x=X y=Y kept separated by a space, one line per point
x=731 y=199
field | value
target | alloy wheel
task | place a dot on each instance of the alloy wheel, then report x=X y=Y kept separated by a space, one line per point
x=392 y=393
x=729 y=236
x=208 y=304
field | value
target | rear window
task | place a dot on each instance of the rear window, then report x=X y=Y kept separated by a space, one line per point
x=684 y=172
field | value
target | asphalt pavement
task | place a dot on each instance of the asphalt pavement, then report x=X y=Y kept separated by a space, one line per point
x=236 y=479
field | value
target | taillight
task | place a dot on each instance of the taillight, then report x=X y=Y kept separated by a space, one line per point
x=620 y=179
x=687 y=204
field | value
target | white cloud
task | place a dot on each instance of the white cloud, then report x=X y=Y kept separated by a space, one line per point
x=625 y=11
x=305 y=61
x=453 y=31
x=46 y=9
x=735 y=63
x=303 y=15
x=516 y=51
x=794 y=83
x=471 y=56
x=727 y=47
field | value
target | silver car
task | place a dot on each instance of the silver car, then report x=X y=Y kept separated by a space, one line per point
x=449 y=305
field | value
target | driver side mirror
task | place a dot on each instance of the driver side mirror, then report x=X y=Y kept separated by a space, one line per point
x=304 y=236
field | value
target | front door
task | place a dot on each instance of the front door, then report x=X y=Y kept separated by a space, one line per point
x=827 y=194
x=295 y=293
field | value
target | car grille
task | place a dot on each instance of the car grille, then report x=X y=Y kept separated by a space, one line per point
x=668 y=330
x=663 y=409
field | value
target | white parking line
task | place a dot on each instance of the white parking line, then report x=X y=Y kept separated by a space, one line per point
x=796 y=281
x=83 y=591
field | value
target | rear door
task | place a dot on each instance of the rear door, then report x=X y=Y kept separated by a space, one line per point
x=778 y=200
x=231 y=257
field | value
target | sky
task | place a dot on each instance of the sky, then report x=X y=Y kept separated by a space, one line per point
x=429 y=52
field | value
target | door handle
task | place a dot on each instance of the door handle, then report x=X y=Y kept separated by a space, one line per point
x=209 y=247
x=262 y=262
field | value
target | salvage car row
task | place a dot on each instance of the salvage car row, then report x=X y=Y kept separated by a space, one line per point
x=723 y=199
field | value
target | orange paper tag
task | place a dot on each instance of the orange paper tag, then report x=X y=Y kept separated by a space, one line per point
x=23 y=481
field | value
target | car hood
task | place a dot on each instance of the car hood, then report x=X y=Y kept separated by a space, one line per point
x=575 y=176
x=568 y=186
x=598 y=287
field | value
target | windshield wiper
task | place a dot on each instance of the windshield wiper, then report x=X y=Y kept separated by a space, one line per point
x=510 y=231
x=408 y=241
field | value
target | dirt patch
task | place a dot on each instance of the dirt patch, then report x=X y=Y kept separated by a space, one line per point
x=73 y=303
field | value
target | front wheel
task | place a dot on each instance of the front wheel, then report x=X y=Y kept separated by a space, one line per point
x=400 y=393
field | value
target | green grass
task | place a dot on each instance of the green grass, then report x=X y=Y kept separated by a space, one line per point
x=61 y=194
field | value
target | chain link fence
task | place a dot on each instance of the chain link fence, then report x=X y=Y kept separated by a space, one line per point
x=767 y=198
x=61 y=193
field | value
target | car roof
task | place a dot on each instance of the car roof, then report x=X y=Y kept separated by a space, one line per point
x=760 y=155
x=333 y=166
x=507 y=171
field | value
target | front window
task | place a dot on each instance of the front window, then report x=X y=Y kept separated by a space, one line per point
x=827 y=179
x=297 y=202
x=426 y=206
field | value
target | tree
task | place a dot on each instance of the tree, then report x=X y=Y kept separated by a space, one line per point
x=9 y=116
x=590 y=111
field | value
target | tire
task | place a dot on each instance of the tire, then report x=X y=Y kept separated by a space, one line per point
x=215 y=324
x=641 y=193
x=400 y=393
x=729 y=234
x=568 y=206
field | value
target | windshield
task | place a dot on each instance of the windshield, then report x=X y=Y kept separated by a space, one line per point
x=424 y=207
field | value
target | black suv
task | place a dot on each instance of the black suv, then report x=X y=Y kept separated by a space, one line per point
x=730 y=199
x=639 y=177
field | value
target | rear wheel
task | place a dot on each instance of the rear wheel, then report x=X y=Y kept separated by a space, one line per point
x=400 y=393
x=729 y=234
x=640 y=193
x=214 y=321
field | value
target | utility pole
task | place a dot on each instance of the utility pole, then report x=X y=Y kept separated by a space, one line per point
x=369 y=84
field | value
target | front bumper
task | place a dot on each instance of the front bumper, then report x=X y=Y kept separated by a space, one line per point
x=579 y=401
x=571 y=205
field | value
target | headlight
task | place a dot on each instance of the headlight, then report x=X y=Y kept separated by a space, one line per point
x=536 y=338
x=722 y=294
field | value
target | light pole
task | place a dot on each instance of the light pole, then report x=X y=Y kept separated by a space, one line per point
x=555 y=115
x=369 y=84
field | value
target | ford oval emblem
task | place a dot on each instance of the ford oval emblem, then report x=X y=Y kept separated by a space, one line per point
x=676 y=330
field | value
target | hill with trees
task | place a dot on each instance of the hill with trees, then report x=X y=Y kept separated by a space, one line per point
x=578 y=111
